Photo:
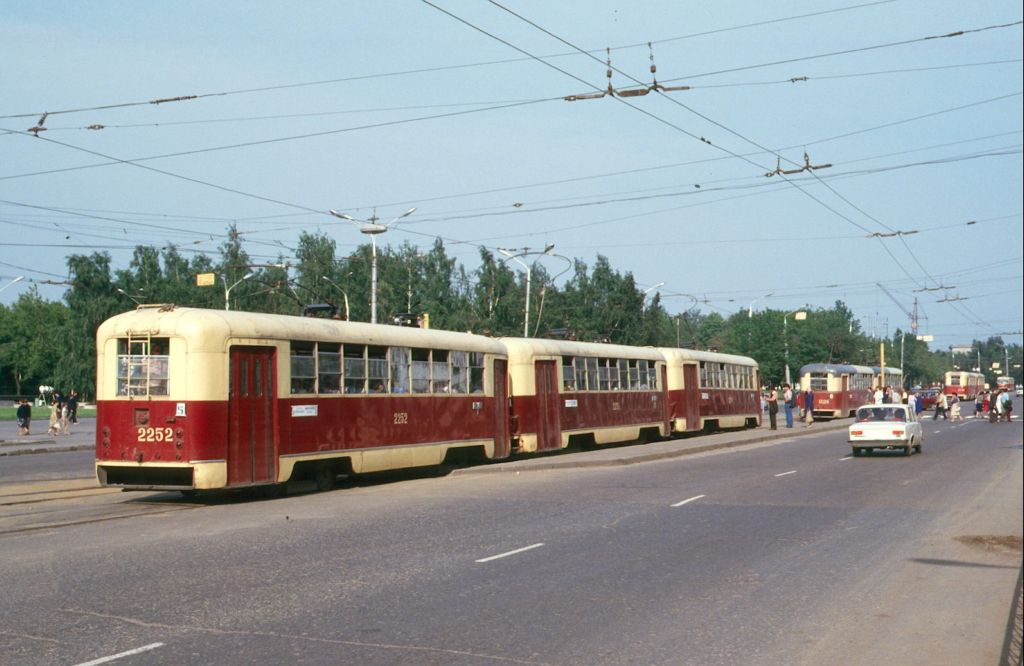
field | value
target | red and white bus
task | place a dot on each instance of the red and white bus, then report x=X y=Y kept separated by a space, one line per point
x=964 y=385
x=192 y=399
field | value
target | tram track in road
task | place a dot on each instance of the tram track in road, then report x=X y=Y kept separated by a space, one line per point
x=23 y=510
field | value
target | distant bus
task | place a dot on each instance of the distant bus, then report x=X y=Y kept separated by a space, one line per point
x=964 y=385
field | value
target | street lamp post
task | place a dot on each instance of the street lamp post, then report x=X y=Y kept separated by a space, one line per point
x=643 y=303
x=528 y=269
x=17 y=279
x=344 y=294
x=799 y=315
x=750 y=308
x=372 y=228
x=227 y=289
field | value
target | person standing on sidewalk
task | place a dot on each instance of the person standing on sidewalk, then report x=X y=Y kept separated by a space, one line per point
x=24 y=414
x=809 y=407
x=773 y=408
x=73 y=406
x=788 y=403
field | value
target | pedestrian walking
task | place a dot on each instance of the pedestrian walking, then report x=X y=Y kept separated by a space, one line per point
x=773 y=408
x=979 y=401
x=954 y=409
x=940 y=407
x=1006 y=403
x=54 y=428
x=994 y=407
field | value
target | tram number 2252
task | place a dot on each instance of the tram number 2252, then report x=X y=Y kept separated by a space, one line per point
x=156 y=435
x=401 y=418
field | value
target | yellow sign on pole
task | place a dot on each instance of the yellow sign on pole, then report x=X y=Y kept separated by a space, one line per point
x=206 y=279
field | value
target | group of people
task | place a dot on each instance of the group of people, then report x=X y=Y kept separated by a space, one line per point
x=63 y=412
x=789 y=405
x=998 y=404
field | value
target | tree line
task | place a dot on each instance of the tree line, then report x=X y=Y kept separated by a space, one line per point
x=53 y=342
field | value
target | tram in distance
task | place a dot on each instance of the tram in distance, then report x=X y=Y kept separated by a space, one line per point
x=192 y=399
x=840 y=389
x=962 y=384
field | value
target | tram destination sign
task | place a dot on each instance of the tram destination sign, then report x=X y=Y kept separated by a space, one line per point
x=961 y=350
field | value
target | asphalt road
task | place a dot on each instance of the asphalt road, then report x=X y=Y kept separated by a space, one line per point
x=781 y=552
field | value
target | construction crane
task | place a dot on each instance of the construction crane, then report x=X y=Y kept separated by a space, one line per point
x=910 y=313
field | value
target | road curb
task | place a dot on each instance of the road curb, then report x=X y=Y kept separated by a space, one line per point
x=60 y=449
x=631 y=456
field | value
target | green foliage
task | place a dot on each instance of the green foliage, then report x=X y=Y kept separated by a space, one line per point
x=45 y=342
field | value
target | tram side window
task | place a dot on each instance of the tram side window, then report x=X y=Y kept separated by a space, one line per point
x=592 y=374
x=142 y=366
x=622 y=374
x=440 y=377
x=400 y=369
x=377 y=369
x=328 y=366
x=476 y=372
x=460 y=371
x=354 y=362
x=819 y=381
x=568 y=374
x=420 y=370
x=303 y=360
x=954 y=380
x=652 y=376
x=603 y=375
x=645 y=375
x=580 y=368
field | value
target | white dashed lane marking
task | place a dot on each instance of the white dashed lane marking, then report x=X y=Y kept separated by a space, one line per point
x=792 y=471
x=687 y=501
x=511 y=552
x=128 y=653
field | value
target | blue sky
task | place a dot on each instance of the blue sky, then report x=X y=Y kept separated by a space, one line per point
x=456 y=108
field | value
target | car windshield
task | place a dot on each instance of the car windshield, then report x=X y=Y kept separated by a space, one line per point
x=881 y=414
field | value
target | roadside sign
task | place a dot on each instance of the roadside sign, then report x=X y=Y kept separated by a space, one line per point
x=206 y=279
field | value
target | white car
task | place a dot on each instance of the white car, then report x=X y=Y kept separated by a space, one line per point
x=886 y=427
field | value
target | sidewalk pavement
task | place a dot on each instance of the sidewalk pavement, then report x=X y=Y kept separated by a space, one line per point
x=82 y=437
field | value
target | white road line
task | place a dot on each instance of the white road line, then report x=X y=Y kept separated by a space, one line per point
x=792 y=471
x=846 y=458
x=936 y=432
x=687 y=501
x=511 y=552
x=103 y=660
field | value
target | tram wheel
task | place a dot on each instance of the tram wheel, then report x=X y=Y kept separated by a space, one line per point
x=325 y=477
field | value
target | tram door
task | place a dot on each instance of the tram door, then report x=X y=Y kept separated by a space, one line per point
x=251 y=451
x=549 y=432
x=691 y=397
x=502 y=447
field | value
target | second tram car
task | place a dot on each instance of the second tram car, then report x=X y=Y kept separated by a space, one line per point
x=191 y=399
x=708 y=390
x=964 y=385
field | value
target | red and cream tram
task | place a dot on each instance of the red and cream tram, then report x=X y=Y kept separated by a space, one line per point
x=708 y=390
x=838 y=389
x=192 y=399
x=964 y=385
x=203 y=399
x=583 y=392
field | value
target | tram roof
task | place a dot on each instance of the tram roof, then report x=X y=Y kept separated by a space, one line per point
x=838 y=369
x=680 y=354
x=548 y=347
x=211 y=326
